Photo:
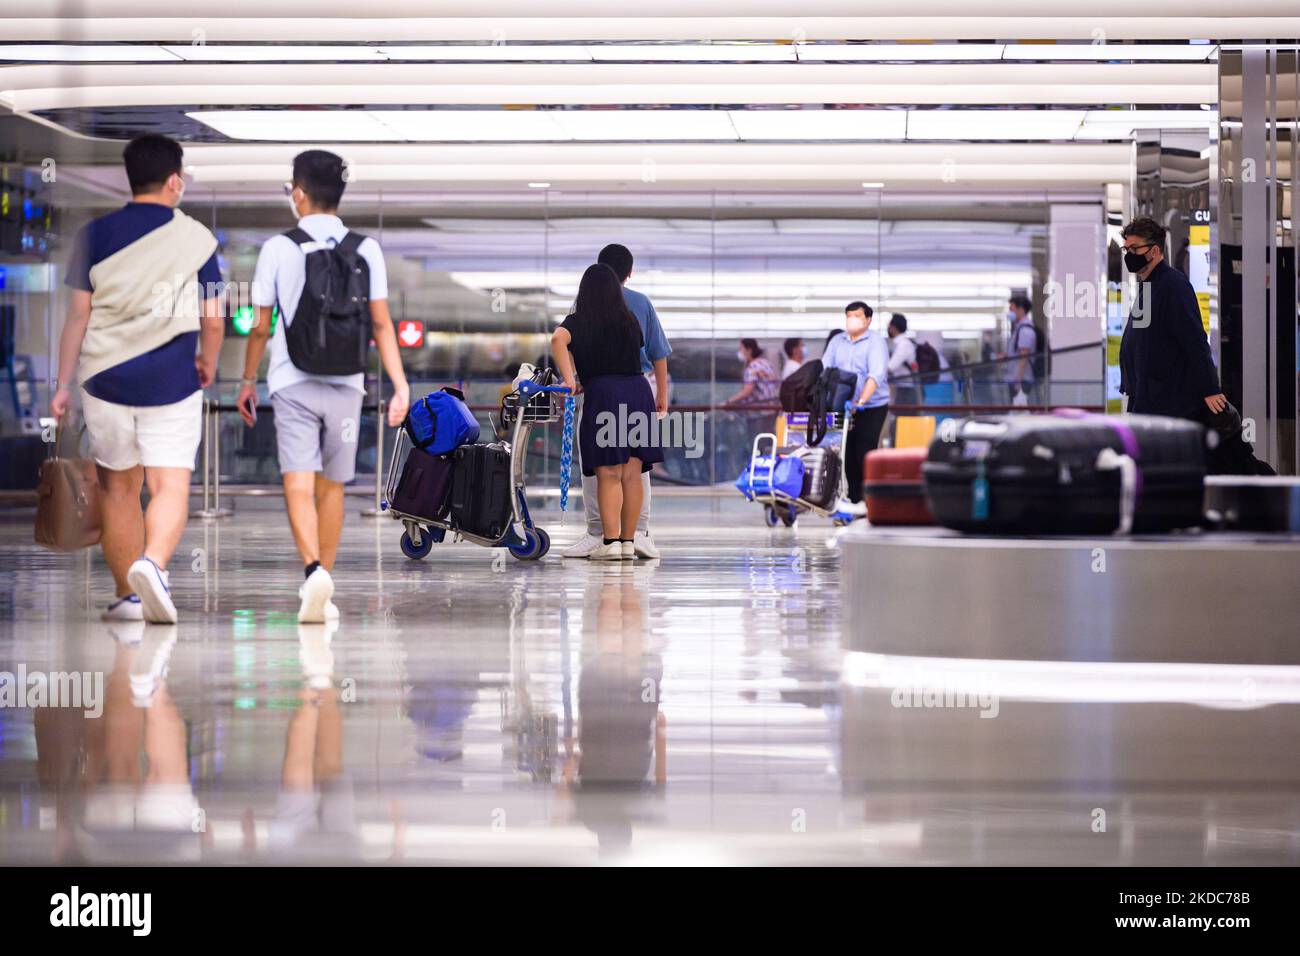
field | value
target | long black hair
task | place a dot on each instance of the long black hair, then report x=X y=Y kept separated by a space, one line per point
x=600 y=296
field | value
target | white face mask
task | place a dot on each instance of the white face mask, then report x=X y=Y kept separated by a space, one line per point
x=742 y=356
x=856 y=324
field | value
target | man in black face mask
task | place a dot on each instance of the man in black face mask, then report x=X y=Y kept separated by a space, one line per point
x=1164 y=357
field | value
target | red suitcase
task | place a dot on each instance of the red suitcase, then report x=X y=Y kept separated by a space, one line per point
x=894 y=488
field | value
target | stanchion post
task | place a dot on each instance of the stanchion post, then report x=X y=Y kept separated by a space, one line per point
x=376 y=511
x=212 y=463
x=203 y=468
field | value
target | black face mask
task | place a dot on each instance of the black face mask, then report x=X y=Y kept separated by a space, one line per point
x=1135 y=262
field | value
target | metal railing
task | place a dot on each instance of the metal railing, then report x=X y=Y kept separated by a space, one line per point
x=982 y=378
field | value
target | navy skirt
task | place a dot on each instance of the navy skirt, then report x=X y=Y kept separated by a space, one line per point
x=618 y=423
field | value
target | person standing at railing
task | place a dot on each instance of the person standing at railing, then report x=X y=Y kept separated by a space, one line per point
x=145 y=298
x=902 y=359
x=317 y=415
x=864 y=353
x=1164 y=357
x=760 y=384
x=1022 y=345
x=654 y=366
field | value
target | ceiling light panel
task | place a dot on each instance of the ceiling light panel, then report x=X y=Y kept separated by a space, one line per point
x=693 y=52
x=324 y=126
x=239 y=53
x=1102 y=52
x=1120 y=124
x=469 y=126
x=84 y=53
x=595 y=125
x=820 y=124
x=993 y=124
x=896 y=52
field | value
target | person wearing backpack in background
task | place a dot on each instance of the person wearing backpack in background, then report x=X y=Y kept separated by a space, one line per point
x=319 y=352
x=902 y=360
x=1022 y=350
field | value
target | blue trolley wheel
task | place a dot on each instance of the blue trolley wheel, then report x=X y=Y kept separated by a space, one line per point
x=546 y=544
x=531 y=547
x=412 y=550
x=788 y=516
x=770 y=516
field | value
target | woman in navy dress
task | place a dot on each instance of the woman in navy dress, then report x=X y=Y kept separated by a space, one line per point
x=599 y=345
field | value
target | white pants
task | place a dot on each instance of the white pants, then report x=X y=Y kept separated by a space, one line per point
x=156 y=436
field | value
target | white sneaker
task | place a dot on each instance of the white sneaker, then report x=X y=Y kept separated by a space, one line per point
x=315 y=592
x=124 y=609
x=331 y=609
x=608 y=552
x=151 y=584
x=583 y=547
x=629 y=550
x=857 y=509
x=644 y=545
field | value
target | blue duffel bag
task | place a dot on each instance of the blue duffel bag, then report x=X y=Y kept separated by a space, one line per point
x=441 y=422
x=761 y=477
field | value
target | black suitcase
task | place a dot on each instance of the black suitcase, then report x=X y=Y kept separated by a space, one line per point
x=821 y=475
x=481 y=489
x=425 y=485
x=1059 y=474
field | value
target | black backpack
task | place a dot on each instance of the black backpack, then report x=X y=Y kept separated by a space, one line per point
x=1039 y=359
x=798 y=388
x=927 y=362
x=330 y=332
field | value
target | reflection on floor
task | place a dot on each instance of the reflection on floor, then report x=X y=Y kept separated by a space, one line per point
x=688 y=710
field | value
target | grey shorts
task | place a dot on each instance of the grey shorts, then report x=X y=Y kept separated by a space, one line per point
x=317 y=426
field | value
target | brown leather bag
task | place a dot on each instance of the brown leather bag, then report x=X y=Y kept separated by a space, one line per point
x=67 y=510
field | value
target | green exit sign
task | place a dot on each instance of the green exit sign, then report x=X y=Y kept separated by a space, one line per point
x=244 y=318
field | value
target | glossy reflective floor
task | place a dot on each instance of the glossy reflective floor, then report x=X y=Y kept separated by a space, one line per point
x=473 y=709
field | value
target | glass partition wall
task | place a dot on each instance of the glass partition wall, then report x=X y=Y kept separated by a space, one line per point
x=478 y=280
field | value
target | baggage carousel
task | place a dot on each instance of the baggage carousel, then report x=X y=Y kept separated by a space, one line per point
x=1206 y=598
x=1113 y=666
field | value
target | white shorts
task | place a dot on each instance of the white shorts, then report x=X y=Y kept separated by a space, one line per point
x=156 y=436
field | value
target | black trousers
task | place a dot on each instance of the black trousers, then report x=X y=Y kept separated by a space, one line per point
x=864 y=436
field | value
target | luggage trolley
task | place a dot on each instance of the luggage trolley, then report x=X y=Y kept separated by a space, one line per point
x=532 y=403
x=780 y=508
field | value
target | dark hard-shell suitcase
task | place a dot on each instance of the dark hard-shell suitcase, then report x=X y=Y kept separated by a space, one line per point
x=821 y=476
x=1067 y=474
x=425 y=485
x=481 y=489
x=894 y=488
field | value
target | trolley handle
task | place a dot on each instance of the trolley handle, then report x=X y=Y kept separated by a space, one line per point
x=529 y=387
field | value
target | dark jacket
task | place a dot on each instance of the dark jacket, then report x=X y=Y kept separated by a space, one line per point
x=1165 y=363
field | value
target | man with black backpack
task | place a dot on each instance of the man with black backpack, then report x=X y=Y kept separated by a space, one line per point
x=331 y=289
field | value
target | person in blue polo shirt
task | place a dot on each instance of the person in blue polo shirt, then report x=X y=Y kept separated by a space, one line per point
x=866 y=354
x=143 y=332
x=654 y=365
